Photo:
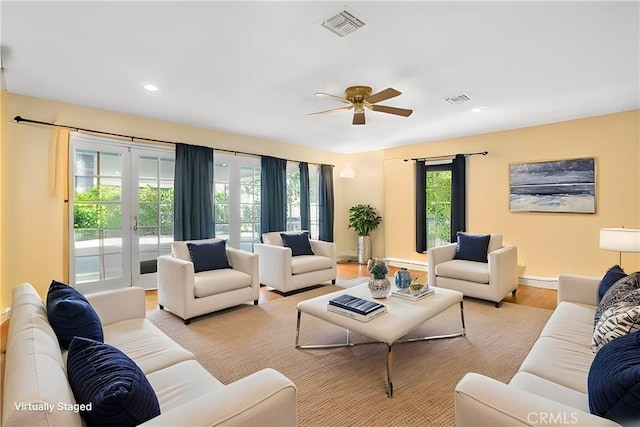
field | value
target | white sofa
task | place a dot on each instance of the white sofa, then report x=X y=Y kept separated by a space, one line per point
x=491 y=281
x=550 y=387
x=284 y=272
x=188 y=294
x=35 y=371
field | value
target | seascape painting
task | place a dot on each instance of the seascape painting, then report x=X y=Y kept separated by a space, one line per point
x=554 y=186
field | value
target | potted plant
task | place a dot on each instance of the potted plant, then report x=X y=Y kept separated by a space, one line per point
x=363 y=219
x=379 y=284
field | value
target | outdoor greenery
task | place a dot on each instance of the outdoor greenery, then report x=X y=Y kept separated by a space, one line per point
x=438 y=208
x=100 y=207
x=363 y=219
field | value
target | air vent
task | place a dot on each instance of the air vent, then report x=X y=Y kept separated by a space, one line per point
x=342 y=24
x=456 y=100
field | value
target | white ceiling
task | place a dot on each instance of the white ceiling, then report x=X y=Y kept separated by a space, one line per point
x=252 y=68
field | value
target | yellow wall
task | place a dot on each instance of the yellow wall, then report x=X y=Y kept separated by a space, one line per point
x=3 y=181
x=548 y=243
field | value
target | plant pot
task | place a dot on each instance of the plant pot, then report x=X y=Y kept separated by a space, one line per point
x=364 y=249
x=379 y=288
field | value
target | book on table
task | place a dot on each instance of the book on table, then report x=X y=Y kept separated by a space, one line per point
x=356 y=308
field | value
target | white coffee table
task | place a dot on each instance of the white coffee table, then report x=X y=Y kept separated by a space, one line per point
x=402 y=317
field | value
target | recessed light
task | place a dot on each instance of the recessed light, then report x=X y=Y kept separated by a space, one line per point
x=478 y=109
x=149 y=86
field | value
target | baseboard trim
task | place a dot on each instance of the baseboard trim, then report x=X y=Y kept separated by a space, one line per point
x=407 y=263
x=5 y=315
x=539 y=282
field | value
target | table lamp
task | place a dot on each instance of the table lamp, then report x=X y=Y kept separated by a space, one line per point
x=620 y=240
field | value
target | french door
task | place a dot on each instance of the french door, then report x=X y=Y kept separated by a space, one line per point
x=121 y=212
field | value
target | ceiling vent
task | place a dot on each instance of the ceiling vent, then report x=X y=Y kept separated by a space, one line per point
x=456 y=100
x=342 y=24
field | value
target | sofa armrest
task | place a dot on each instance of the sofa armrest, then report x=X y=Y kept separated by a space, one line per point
x=438 y=255
x=483 y=401
x=245 y=262
x=275 y=263
x=578 y=289
x=503 y=269
x=322 y=248
x=264 y=398
x=175 y=284
x=118 y=304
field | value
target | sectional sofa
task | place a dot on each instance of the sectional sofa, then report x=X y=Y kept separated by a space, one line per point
x=37 y=391
x=552 y=385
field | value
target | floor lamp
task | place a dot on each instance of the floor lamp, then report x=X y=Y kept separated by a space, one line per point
x=620 y=240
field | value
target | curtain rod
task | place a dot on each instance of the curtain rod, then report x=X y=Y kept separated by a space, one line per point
x=19 y=119
x=448 y=156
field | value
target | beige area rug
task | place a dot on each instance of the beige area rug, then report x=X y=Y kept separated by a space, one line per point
x=346 y=386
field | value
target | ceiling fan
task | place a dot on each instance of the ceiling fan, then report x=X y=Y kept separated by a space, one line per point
x=359 y=97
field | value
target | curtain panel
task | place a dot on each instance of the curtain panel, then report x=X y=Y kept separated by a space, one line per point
x=458 y=196
x=420 y=170
x=305 y=204
x=326 y=202
x=273 y=194
x=193 y=189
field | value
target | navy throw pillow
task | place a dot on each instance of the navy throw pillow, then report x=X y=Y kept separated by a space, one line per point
x=114 y=386
x=208 y=256
x=472 y=247
x=71 y=315
x=614 y=380
x=612 y=275
x=298 y=242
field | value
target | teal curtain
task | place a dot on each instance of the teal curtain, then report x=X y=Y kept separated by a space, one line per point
x=421 y=206
x=326 y=202
x=458 y=196
x=193 y=189
x=273 y=193
x=305 y=204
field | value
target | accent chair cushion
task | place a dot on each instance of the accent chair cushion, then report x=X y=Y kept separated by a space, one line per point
x=309 y=263
x=116 y=388
x=298 y=242
x=469 y=271
x=612 y=275
x=71 y=315
x=208 y=256
x=618 y=320
x=614 y=380
x=626 y=289
x=472 y=247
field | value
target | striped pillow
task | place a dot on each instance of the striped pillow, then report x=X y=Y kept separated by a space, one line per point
x=618 y=320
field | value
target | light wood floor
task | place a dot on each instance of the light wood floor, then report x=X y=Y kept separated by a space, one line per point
x=526 y=295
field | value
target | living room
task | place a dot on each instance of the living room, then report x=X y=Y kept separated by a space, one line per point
x=35 y=220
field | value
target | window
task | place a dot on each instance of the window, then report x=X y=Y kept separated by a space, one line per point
x=438 y=201
x=294 y=221
x=237 y=200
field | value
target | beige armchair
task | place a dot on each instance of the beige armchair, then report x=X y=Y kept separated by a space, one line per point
x=281 y=270
x=492 y=280
x=189 y=294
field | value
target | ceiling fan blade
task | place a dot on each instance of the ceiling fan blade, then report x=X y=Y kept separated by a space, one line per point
x=358 y=118
x=339 y=98
x=350 y=107
x=392 y=110
x=382 y=95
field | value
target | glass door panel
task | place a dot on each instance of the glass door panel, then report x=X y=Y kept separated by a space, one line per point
x=98 y=232
x=153 y=224
x=122 y=213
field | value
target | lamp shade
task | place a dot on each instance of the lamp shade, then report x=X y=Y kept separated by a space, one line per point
x=620 y=239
